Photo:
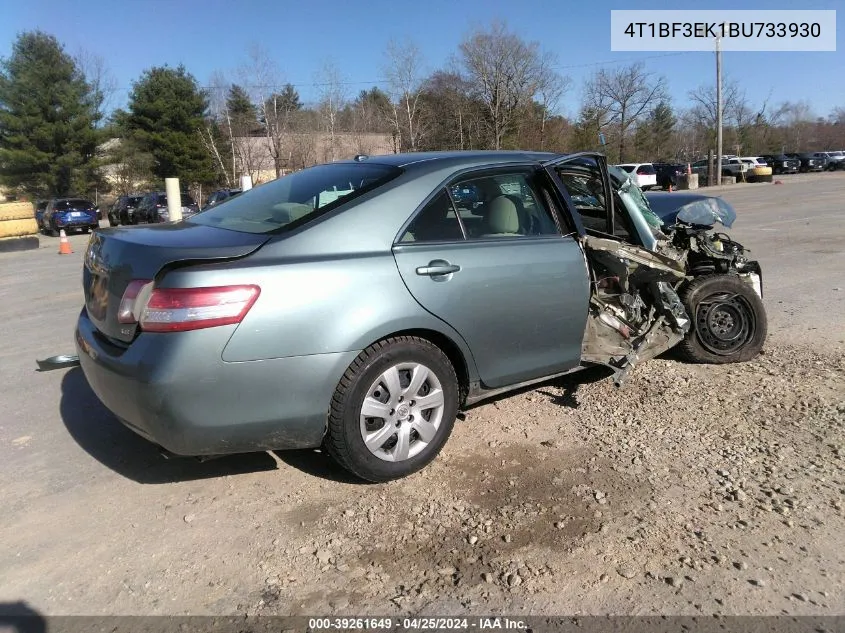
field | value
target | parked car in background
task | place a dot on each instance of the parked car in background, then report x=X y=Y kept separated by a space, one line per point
x=644 y=174
x=758 y=169
x=123 y=210
x=731 y=166
x=735 y=166
x=835 y=160
x=809 y=161
x=669 y=174
x=40 y=208
x=354 y=306
x=781 y=163
x=70 y=214
x=216 y=197
x=153 y=207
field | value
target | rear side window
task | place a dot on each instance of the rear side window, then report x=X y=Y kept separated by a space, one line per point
x=436 y=222
x=62 y=205
x=304 y=194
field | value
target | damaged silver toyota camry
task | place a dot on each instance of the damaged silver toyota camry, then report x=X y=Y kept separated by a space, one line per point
x=358 y=306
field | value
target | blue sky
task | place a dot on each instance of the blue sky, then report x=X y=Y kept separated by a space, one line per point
x=215 y=35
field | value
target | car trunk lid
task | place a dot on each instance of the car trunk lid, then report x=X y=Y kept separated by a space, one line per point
x=117 y=256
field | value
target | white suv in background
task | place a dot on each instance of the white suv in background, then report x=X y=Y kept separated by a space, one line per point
x=643 y=174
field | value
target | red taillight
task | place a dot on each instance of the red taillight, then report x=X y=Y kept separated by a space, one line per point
x=181 y=309
x=127 y=312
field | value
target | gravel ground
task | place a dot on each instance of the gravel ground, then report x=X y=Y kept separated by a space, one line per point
x=674 y=495
x=692 y=490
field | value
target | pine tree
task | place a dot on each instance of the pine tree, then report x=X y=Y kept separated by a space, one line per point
x=48 y=117
x=166 y=118
x=585 y=134
x=661 y=125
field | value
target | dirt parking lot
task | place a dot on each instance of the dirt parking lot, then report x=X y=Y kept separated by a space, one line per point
x=694 y=489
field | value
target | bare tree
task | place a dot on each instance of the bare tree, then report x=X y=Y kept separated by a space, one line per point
x=275 y=111
x=625 y=95
x=551 y=88
x=505 y=73
x=403 y=70
x=219 y=119
x=103 y=83
x=798 y=120
x=332 y=101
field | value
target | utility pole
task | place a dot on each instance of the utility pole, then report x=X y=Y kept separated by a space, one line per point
x=719 y=110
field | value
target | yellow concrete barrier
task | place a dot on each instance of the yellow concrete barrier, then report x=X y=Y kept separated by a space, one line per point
x=17 y=228
x=16 y=211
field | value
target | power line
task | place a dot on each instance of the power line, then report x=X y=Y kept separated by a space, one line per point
x=627 y=59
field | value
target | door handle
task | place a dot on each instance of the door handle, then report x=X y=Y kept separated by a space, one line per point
x=438 y=267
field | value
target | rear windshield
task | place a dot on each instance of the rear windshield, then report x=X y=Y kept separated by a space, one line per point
x=134 y=200
x=62 y=205
x=646 y=169
x=306 y=193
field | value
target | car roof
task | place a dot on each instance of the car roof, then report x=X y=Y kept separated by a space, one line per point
x=455 y=158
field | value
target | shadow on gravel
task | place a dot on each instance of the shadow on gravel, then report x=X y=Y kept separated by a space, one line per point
x=103 y=437
x=18 y=617
x=318 y=464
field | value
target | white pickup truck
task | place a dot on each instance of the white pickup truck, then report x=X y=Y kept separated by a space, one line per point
x=731 y=166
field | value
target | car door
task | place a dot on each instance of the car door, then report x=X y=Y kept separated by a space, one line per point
x=502 y=269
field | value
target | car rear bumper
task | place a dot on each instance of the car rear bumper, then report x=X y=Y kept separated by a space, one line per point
x=177 y=392
x=70 y=223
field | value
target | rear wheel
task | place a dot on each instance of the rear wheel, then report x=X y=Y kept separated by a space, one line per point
x=729 y=321
x=393 y=410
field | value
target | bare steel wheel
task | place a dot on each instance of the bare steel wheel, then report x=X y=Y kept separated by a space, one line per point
x=393 y=409
x=402 y=411
x=729 y=320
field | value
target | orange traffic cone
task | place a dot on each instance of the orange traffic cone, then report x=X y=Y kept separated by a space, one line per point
x=64 y=245
x=670 y=187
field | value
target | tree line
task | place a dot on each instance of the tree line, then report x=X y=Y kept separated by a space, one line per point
x=58 y=135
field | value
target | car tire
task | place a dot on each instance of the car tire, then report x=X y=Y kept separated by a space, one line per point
x=381 y=375
x=729 y=323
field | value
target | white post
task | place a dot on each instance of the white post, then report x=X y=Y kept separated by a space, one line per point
x=246 y=183
x=174 y=199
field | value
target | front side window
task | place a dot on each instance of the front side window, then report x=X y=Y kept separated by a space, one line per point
x=304 y=194
x=586 y=190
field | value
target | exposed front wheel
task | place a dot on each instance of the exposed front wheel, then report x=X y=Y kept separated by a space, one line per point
x=729 y=321
x=393 y=410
